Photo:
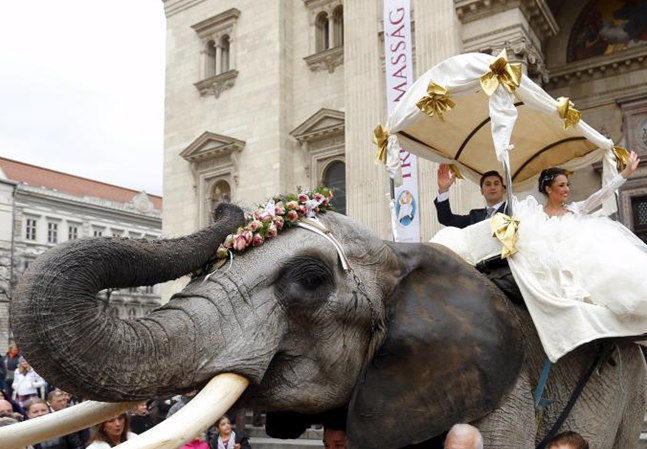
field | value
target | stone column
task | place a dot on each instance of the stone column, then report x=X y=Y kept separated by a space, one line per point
x=218 y=59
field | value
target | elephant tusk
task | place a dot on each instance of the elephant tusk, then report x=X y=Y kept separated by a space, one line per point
x=60 y=423
x=195 y=417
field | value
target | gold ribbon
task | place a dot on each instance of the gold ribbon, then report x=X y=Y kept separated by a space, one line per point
x=501 y=73
x=381 y=139
x=505 y=229
x=436 y=101
x=567 y=111
x=455 y=171
x=622 y=156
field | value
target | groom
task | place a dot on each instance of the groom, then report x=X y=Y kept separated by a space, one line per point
x=492 y=189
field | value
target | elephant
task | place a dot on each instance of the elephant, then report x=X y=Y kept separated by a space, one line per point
x=406 y=342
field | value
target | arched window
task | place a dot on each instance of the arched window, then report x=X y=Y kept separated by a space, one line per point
x=114 y=312
x=323 y=32
x=221 y=193
x=132 y=313
x=338 y=26
x=334 y=177
x=211 y=59
x=224 y=54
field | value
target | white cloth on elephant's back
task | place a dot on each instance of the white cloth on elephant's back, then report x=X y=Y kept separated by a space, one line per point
x=473 y=243
x=583 y=277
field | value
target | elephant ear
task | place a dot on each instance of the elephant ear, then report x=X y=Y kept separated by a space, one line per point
x=451 y=354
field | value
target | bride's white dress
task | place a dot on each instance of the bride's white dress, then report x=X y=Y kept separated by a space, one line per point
x=583 y=277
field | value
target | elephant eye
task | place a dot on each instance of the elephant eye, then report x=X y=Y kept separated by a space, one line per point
x=303 y=278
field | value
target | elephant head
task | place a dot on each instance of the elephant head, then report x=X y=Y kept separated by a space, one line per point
x=409 y=338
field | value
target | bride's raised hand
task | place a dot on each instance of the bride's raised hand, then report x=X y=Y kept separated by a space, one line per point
x=632 y=165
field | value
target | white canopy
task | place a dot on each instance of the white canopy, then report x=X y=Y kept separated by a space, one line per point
x=518 y=125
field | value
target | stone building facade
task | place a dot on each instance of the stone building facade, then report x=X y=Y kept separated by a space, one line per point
x=40 y=208
x=262 y=97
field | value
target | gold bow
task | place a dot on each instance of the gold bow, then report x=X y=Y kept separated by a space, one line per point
x=436 y=101
x=455 y=171
x=567 y=111
x=505 y=228
x=508 y=75
x=622 y=156
x=381 y=139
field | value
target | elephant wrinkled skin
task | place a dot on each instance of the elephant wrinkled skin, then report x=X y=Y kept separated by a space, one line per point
x=409 y=342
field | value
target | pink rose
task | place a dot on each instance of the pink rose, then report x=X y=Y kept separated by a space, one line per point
x=315 y=209
x=229 y=241
x=303 y=210
x=258 y=214
x=279 y=210
x=222 y=252
x=303 y=197
x=278 y=221
x=240 y=242
x=330 y=195
x=254 y=225
x=325 y=202
x=257 y=240
x=292 y=216
x=319 y=197
x=271 y=231
x=248 y=236
x=292 y=205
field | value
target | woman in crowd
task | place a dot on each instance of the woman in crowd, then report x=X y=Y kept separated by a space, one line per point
x=112 y=433
x=9 y=365
x=226 y=438
x=38 y=407
x=26 y=382
x=577 y=270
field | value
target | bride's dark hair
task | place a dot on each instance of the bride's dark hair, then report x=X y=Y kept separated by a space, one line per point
x=548 y=176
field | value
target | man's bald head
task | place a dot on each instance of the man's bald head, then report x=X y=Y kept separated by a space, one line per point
x=464 y=436
x=5 y=407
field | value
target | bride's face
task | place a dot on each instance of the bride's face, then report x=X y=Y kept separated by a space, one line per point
x=559 y=189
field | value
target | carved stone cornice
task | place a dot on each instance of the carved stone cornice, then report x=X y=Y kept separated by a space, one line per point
x=322 y=124
x=521 y=50
x=216 y=84
x=537 y=12
x=599 y=66
x=214 y=24
x=328 y=59
x=211 y=145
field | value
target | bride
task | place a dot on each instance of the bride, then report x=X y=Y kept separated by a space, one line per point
x=582 y=275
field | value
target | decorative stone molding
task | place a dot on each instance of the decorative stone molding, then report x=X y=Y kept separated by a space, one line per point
x=521 y=50
x=223 y=22
x=599 y=67
x=327 y=60
x=321 y=138
x=216 y=84
x=537 y=12
x=211 y=146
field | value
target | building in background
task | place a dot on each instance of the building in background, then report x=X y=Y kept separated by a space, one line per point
x=40 y=208
x=262 y=97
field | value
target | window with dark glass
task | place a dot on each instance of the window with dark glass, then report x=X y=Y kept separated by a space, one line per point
x=30 y=229
x=334 y=178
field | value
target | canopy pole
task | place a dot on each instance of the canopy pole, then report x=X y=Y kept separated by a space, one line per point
x=508 y=181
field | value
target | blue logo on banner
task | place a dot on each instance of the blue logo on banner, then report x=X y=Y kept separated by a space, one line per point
x=405 y=208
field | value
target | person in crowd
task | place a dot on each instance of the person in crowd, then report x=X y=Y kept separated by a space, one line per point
x=7 y=421
x=226 y=438
x=492 y=189
x=112 y=432
x=184 y=399
x=9 y=365
x=577 y=270
x=6 y=408
x=568 y=440
x=58 y=400
x=11 y=409
x=140 y=420
x=334 y=438
x=38 y=407
x=26 y=382
x=197 y=443
x=463 y=436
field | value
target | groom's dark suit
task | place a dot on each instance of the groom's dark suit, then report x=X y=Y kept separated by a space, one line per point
x=447 y=218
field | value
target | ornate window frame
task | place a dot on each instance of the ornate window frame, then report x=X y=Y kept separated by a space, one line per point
x=326 y=44
x=217 y=45
x=322 y=141
x=213 y=158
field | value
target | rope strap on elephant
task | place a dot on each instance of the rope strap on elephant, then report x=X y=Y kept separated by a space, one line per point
x=602 y=355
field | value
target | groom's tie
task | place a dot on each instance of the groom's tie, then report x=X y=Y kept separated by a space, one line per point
x=489 y=212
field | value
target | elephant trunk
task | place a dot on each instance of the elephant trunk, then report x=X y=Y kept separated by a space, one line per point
x=64 y=330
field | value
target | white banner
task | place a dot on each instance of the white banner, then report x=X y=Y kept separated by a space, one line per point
x=399 y=76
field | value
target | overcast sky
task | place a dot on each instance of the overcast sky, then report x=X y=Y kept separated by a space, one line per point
x=82 y=88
